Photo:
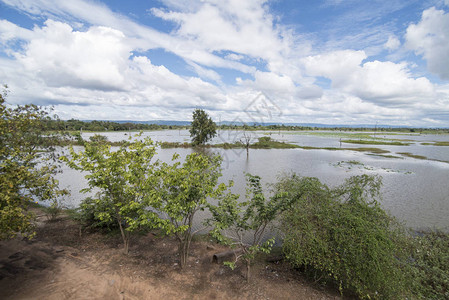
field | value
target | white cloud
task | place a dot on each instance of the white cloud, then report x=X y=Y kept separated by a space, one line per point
x=430 y=38
x=83 y=60
x=393 y=43
x=383 y=82
x=141 y=37
x=234 y=56
x=243 y=27
x=60 y=56
x=61 y=66
x=10 y=31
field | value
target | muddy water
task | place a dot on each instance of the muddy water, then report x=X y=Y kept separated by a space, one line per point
x=415 y=191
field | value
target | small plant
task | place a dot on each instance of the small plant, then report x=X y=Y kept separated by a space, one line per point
x=184 y=190
x=243 y=224
x=99 y=139
x=54 y=210
x=91 y=210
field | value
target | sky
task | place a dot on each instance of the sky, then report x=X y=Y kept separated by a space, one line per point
x=326 y=61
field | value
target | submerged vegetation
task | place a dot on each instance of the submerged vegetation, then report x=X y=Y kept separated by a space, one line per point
x=376 y=142
x=441 y=143
x=262 y=143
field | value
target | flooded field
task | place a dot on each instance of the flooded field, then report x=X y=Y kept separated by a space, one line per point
x=415 y=176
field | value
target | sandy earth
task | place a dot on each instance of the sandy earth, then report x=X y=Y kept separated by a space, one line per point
x=64 y=262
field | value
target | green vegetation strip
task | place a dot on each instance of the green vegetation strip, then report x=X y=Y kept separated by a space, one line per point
x=408 y=154
x=371 y=142
x=436 y=144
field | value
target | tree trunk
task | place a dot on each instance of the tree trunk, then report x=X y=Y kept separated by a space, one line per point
x=248 y=270
x=125 y=237
x=183 y=253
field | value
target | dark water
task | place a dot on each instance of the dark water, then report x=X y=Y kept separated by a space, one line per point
x=415 y=191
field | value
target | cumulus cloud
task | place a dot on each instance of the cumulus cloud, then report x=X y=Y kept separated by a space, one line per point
x=239 y=26
x=62 y=57
x=59 y=65
x=430 y=38
x=92 y=63
x=382 y=82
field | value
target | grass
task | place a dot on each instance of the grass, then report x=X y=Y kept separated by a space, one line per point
x=268 y=143
x=371 y=142
x=362 y=149
x=386 y=156
x=436 y=144
x=165 y=145
x=408 y=154
x=263 y=143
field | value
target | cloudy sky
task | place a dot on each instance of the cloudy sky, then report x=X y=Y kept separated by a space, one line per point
x=302 y=61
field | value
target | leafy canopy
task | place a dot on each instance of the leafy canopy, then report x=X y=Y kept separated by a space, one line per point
x=27 y=168
x=343 y=235
x=126 y=179
x=202 y=128
x=184 y=190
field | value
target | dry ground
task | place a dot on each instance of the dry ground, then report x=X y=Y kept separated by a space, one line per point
x=63 y=263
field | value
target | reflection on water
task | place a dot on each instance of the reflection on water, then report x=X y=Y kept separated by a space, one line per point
x=415 y=191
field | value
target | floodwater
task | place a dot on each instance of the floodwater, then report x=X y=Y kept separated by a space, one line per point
x=416 y=191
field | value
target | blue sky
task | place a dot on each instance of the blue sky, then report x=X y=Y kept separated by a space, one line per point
x=328 y=61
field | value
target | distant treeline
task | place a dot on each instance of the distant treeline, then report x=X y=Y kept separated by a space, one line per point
x=98 y=126
x=77 y=125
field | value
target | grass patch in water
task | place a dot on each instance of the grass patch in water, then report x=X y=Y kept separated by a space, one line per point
x=267 y=143
x=263 y=143
x=372 y=150
x=408 y=154
x=443 y=143
x=362 y=149
x=371 y=142
x=386 y=156
x=165 y=145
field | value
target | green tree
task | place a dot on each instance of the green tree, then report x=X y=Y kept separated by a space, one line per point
x=202 y=128
x=343 y=235
x=184 y=190
x=27 y=168
x=126 y=179
x=243 y=224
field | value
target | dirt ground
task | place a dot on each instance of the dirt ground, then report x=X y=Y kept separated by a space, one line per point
x=65 y=262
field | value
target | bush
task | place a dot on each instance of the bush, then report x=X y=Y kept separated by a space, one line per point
x=89 y=213
x=430 y=261
x=344 y=236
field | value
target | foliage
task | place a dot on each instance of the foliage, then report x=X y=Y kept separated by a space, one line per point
x=26 y=167
x=266 y=142
x=377 y=142
x=97 y=126
x=231 y=220
x=91 y=209
x=54 y=210
x=125 y=178
x=344 y=235
x=98 y=138
x=202 y=128
x=430 y=262
x=184 y=190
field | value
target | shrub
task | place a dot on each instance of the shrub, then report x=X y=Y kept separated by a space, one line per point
x=343 y=235
x=430 y=261
x=89 y=211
